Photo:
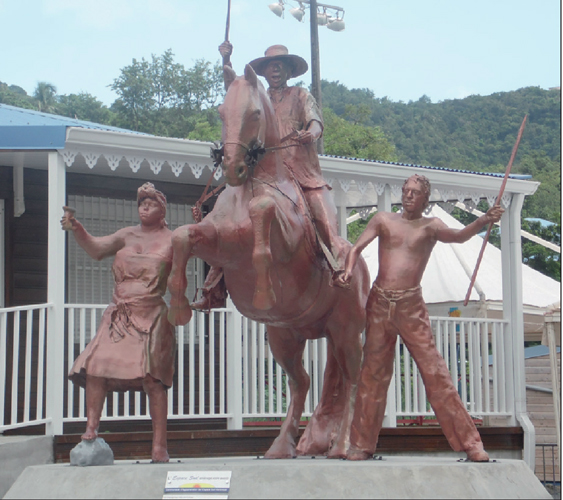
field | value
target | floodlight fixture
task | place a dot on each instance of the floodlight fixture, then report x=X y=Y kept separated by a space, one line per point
x=336 y=23
x=322 y=17
x=277 y=8
x=298 y=12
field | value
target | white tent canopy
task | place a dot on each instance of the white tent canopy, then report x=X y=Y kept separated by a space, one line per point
x=447 y=276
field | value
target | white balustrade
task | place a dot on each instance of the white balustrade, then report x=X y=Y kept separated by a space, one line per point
x=22 y=366
x=225 y=369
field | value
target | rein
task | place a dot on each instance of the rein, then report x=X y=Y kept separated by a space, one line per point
x=255 y=153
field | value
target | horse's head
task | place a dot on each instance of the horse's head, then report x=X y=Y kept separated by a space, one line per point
x=247 y=116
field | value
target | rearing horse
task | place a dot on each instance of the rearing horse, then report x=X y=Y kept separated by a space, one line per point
x=260 y=233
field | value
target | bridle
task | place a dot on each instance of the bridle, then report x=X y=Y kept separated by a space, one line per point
x=254 y=153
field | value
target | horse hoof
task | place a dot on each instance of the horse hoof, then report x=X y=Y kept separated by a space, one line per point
x=282 y=447
x=336 y=454
x=278 y=456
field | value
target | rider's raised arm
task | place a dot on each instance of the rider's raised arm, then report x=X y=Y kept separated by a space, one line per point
x=449 y=235
x=226 y=49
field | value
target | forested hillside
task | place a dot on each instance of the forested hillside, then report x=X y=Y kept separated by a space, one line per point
x=163 y=97
x=475 y=133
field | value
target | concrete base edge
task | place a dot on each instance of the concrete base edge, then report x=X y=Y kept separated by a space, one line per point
x=392 y=477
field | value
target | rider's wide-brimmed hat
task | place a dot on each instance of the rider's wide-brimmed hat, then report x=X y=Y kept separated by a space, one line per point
x=298 y=65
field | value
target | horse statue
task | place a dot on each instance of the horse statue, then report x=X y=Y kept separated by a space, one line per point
x=259 y=232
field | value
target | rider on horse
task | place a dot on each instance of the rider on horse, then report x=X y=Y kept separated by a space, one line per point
x=299 y=119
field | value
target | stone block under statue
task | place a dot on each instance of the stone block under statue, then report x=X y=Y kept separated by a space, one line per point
x=303 y=477
x=93 y=452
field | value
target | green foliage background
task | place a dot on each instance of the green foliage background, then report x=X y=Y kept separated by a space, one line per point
x=162 y=97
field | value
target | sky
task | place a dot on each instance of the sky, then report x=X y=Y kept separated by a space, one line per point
x=399 y=49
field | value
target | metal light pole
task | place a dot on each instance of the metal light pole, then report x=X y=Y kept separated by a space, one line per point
x=316 y=65
x=333 y=23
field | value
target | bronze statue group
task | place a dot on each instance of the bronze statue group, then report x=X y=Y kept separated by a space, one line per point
x=134 y=346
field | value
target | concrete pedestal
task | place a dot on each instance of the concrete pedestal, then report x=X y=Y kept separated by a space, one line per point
x=392 y=477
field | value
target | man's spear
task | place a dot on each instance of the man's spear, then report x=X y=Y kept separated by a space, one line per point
x=228 y=21
x=497 y=202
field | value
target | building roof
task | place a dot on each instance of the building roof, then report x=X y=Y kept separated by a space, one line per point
x=428 y=167
x=28 y=129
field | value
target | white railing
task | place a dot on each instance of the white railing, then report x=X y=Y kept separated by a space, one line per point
x=22 y=366
x=198 y=389
x=475 y=351
x=202 y=360
x=267 y=391
x=224 y=369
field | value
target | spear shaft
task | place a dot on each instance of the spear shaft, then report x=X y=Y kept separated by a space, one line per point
x=497 y=202
x=228 y=21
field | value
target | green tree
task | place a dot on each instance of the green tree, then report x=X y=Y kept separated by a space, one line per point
x=44 y=94
x=16 y=96
x=343 y=138
x=538 y=256
x=545 y=203
x=207 y=126
x=164 y=98
x=135 y=90
x=83 y=106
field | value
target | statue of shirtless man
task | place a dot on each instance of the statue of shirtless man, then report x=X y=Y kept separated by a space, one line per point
x=297 y=114
x=395 y=307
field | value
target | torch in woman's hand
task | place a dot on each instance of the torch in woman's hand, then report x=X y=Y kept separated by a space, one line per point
x=67 y=222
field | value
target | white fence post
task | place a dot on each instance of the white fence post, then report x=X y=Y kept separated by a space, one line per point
x=234 y=367
x=55 y=295
x=512 y=304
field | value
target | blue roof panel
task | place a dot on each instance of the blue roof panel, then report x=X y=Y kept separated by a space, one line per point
x=27 y=129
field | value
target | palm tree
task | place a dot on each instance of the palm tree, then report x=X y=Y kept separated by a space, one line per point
x=45 y=95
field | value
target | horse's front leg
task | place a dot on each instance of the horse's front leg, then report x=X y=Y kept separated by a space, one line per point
x=184 y=239
x=287 y=349
x=263 y=210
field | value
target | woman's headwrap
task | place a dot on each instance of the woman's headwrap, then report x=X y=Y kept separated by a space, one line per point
x=147 y=190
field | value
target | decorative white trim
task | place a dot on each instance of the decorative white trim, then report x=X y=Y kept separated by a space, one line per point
x=345 y=184
x=460 y=196
x=475 y=198
x=91 y=159
x=113 y=161
x=134 y=162
x=362 y=186
x=156 y=165
x=362 y=183
x=68 y=157
x=218 y=172
x=196 y=169
x=177 y=167
x=396 y=189
x=445 y=194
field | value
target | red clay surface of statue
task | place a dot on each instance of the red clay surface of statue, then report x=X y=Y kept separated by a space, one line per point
x=395 y=307
x=259 y=233
x=134 y=347
x=300 y=122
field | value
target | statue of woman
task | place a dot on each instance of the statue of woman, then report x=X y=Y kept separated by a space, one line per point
x=134 y=347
